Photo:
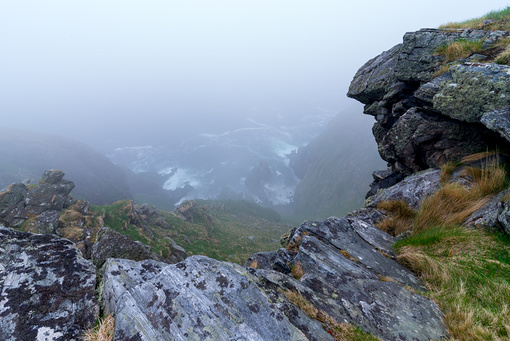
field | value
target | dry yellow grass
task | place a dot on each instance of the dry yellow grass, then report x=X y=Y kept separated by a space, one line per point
x=459 y=49
x=297 y=270
x=104 y=331
x=400 y=217
x=450 y=205
x=339 y=331
x=447 y=170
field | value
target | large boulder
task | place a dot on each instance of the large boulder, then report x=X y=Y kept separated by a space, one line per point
x=346 y=269
x=46 y=288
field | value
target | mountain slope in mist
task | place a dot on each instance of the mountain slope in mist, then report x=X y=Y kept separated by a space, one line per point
x=26 y=155
x=335 y=169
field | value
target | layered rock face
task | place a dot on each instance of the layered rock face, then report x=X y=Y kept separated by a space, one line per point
x=346 y=270
x=423 y=117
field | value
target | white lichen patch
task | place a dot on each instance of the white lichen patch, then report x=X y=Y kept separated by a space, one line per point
x=48 y=334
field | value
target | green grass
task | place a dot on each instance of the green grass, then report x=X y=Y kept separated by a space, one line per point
x=220 y=229
x=466 y=270
x=467 y=273
x=459 y=49
x=499 y=17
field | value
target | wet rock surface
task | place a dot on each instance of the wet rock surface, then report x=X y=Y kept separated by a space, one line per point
x=46 y=288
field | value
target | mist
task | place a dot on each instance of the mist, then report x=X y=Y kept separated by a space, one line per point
x=152 y=75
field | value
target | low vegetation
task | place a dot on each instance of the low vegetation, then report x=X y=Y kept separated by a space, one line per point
x=495 y=20
x=467 y=271
x=103 y=331
x=459 y=49
x=339 y=331
x=230 y=230
x=462 y=48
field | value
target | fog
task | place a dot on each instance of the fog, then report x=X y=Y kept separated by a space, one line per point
x=200 y=91
x=131 y=73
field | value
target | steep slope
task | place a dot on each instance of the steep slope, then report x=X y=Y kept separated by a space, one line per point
x=26 y=155
x=335 y=169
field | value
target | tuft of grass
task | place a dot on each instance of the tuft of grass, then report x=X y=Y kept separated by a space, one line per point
x=339 y=331
x=103 y=331
x=452 y=204
x=459 y=49
x=400 y=217
x=447 y=170
x=297 y=270
x=492 y=21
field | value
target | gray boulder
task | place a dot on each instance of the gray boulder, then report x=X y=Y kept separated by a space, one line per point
x=46 y=288
x=495 y=216
x=412 y=190
x=346 y=270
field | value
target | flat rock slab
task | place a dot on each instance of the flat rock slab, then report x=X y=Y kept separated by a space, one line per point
x=46 y=288
x=202 y=299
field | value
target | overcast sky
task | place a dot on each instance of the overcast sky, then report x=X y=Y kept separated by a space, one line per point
x=114 y=73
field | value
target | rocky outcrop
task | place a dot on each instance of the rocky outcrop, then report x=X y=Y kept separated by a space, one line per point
x=112 y=244
x=343 y=267
x=425 y=117
x=200 y=299
x=44 y=201
x=346 y=268
x=46 y=288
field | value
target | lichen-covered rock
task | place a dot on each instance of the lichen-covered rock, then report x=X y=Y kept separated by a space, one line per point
x=46 y=288
x=346 y=270
x=474 y=89
x=200 y=299
x=412 y=190
x=498 y=120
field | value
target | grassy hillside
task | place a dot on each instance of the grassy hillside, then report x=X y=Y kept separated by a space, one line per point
x=222 y=229
x=26 y=155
